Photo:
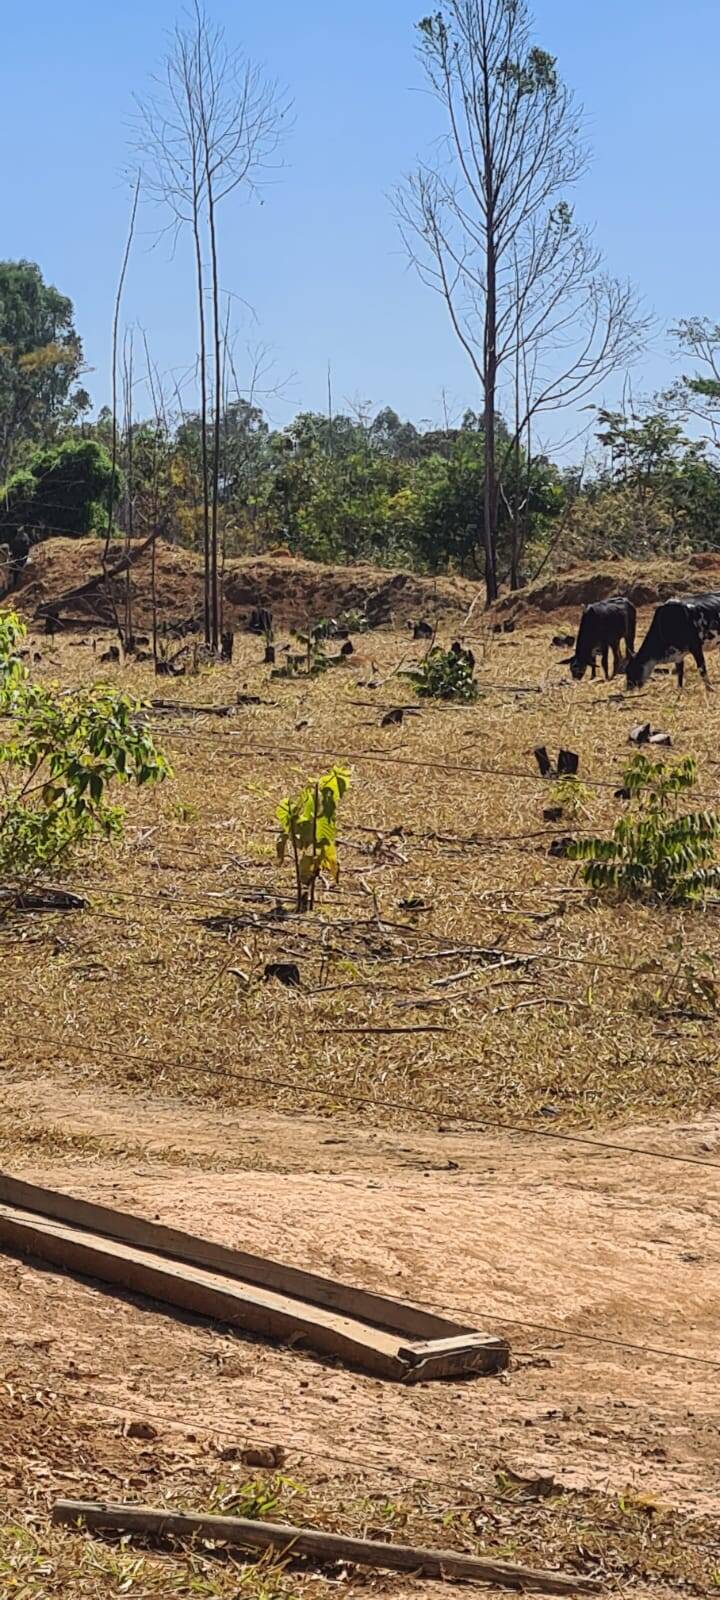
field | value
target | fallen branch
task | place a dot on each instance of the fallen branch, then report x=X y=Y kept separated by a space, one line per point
x=327 y=1033
x=41 y=900
x=324 y=1547
x=51 y=608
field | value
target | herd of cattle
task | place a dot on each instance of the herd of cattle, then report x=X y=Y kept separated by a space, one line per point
x=679 y=628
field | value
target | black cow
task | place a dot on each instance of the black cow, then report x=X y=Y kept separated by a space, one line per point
x=603 y=627
x=679 y=628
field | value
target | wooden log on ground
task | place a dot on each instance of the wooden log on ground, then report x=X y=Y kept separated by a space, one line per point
x=251 y=1292
x=323 y=1547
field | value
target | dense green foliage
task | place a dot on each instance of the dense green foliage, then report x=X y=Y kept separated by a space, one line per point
x=58 y=761
x=655 y=852
x=40 y=362
x=347 y=488
x=64 y=489
x=446 y=675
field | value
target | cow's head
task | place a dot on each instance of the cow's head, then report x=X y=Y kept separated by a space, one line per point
x=637 y=672
x=577 y=669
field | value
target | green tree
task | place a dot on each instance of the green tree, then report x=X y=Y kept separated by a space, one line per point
x=658 y=492
x=449 y=500
x=62 y=490
x=60 y=758
x=41 y=360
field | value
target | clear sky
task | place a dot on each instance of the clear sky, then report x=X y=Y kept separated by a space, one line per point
x=320 y=262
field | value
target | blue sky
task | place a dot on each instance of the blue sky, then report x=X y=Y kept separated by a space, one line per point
x=320 y=261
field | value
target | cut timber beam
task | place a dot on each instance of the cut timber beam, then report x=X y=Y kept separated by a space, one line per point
x=385 y=1336
x=289 y=1541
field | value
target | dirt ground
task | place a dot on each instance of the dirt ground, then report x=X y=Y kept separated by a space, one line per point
x=146 y=1064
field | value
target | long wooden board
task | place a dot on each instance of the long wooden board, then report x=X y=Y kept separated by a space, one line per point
x=386 y=1337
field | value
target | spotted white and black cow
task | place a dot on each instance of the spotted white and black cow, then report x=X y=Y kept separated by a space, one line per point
x=604 y=627
x=678 y=629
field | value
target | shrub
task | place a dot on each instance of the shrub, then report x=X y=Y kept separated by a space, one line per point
x=446 y=675
x=58 y=763
x=655 y=852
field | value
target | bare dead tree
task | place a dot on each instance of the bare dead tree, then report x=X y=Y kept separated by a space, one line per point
x=169 y=140
x=128 y=354
x=114 y=373
x=697 y=395
x=490 y=228
x=211 y=129
x=161 y=431
x=240 y=114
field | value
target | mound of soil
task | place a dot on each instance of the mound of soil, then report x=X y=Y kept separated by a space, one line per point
x=296 y=591
x=645 y=583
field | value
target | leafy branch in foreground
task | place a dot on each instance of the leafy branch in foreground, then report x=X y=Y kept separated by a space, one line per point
x=308 y=824
x=63 y=753
x=655 y=852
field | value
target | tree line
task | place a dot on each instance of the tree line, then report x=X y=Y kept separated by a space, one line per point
x=489 y=224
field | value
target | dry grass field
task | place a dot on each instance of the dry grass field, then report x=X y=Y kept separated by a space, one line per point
x=470 y=1101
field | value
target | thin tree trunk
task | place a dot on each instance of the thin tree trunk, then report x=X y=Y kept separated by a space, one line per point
x=129 y=501
x=217 y=340
x=490 y=364
x=216 y=424
x=203 y=427
x=490 y=486
x=116 y=323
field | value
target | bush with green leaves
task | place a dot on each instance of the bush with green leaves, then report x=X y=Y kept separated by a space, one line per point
x=61 y=755
x=446 y=675
x=655 y=852
x=64 y=489
x=308 y=825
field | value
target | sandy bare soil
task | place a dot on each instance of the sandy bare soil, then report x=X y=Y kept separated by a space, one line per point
x=594 y=1243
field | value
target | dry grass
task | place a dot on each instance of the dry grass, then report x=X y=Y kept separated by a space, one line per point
x=138 y=990
x=138 y=993
x=628 y=1540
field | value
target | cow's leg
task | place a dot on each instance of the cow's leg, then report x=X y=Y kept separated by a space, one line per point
x=616 y=659
x=606 y=661
x=697 y=653
x=593 y=667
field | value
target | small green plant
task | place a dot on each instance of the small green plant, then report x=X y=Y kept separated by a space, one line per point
x=689 y=990
x=314 y=643
x=314 y=660
x=446 y=675
x=355 y=621
x=256 y=1500
x=59 y=760
x=571 y=794
x=655 y=851
x=308 y=824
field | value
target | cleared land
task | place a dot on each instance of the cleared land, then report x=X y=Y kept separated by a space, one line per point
x=363 y=1126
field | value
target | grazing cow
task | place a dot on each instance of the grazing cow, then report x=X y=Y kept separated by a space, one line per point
x=603 y=627
x=679 y=628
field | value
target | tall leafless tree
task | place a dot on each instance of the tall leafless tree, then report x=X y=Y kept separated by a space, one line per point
x=213 y=130
x=169 y=142
x=490 y=228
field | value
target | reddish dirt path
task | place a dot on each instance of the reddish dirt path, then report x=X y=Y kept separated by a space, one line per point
x=587 y=1242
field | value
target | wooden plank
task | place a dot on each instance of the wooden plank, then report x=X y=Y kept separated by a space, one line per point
x=321 y=1546
x=450 y=1358
x=259 y=1310
x=378 y=1309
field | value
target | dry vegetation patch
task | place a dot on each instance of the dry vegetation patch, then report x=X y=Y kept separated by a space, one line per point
x=459 y=978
